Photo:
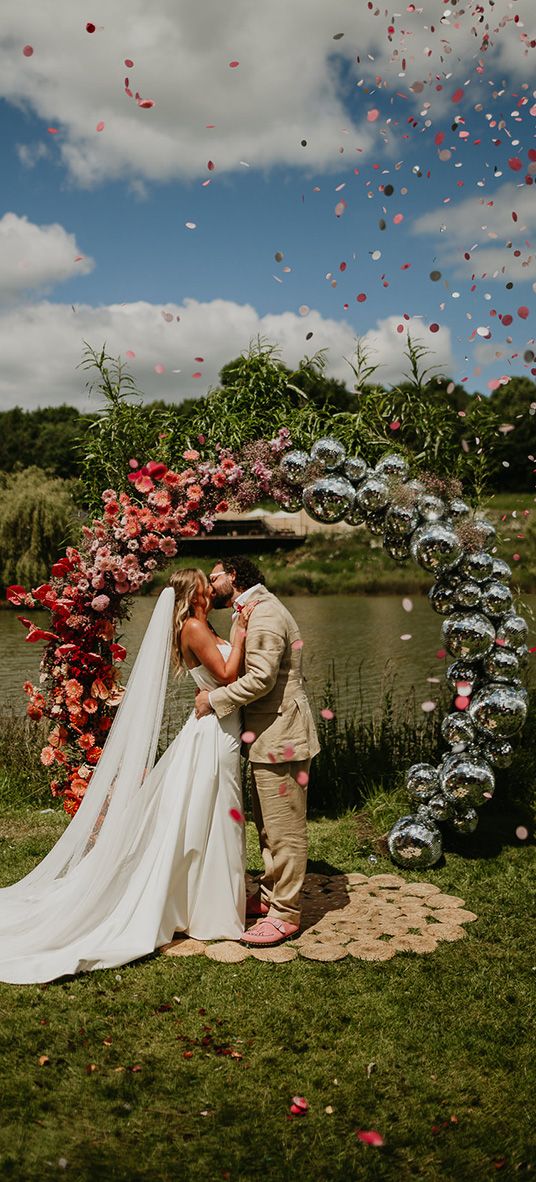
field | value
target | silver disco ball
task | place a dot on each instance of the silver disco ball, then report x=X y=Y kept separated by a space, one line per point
x=375 y=522
x=397 y=548
x=438 y=808
x=422 y=782
x=355 y=516
x=290 y=499
x=498 y=710
x=523 y=655
x=501 y=664
x=443 y=598
x=513 y=630
x=355 y=469
x=430 y=507
x=501 y=571
x=498 y=752
x=468 y=593
x=464 y=822
x=414 y=844
x=465 y=780
x=295 y=466
x=486 y=530
x=435 y=547
x=373 y=494
x=496 y=598
x=329 y=453
x=329 y=499
x=463 y=670
x=401 y=520
x=477 y=566
x=458 y=509
x=392 y=464
x=468 y=635
x=416 y=487
x=457 y=728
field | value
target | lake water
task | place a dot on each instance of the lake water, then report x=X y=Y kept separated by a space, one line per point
x=356 y=638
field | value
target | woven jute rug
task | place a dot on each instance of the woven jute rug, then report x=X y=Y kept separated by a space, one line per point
x=367 y=918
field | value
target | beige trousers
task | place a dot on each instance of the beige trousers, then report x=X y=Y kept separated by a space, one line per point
x=279 y=810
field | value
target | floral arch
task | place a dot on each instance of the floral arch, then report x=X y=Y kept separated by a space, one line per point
x=90 y=591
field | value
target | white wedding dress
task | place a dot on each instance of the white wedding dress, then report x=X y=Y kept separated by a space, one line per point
x=152 y=850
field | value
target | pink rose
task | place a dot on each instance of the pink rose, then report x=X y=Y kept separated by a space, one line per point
x=100 y=603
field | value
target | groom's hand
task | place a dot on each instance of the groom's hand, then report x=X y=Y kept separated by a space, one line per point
x=202 y=704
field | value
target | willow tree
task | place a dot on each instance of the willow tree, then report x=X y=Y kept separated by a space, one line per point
x=38 y=517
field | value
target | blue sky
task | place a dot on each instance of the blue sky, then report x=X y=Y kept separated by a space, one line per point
x=94 y=241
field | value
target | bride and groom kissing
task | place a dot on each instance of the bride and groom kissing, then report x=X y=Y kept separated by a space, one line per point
x=158 y=848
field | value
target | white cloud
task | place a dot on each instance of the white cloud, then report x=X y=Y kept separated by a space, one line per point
x=484 y=227
x=41 y=346
x=36 y=257
x=286 y=88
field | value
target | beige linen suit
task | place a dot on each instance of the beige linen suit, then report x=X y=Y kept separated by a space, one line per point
x=276 y=709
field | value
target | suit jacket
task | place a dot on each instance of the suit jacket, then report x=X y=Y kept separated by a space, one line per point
x=271 y=690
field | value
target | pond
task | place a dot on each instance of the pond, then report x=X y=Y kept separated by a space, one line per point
x=359 y=643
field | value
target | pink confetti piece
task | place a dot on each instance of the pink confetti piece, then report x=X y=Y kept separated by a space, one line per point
x=28 y=50
x=457 y=96
x=370 y=1137
x=299 y=1106
x=128 y=63
x=159 y=368
x=398 y=218
x=130 y=354
x=248 y=737
x=53 y=130
x=428 y=706
x=211 y=165
x=327 y=714
x=373 y=115
x=289 y=752
x=522 y=833
x=233 y=65
x=100 y=125
x=146 y=104
x=282 y=791
x=302 y=778
x=407 y=604
x=515 y=163
x=523 y=312
x=197 y=374
x=361 y=297
x=237 y=816
x=441 y=652
x=461 y=702
x=133 y=463
x=297 y=644
x=395 y=425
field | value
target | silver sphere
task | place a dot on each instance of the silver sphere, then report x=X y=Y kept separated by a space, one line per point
x=373 y=494
x=458 y=509
x=496 y=598
x=487 y=531
x=329 y=453
x=422 y=782
x=501 y=571
x=295 y=467
x=392 y=464
x=329 y=499
x=397 y=548
x=461 y=671
x=477 y=566
x=457 y=728
x=443 y=598
x=414 y=843
x=513 y=630
x=501 y=664
x=498 y=710
x=355 y=469
x=355 y=516
x=465 y=780
x=416 y=487
x=430 y=507
x=466 y=822
x=438 y=808
x=498 y=752
x=468 y=635
x=468 y=593
x=375 y=522
x=523 y=655
x=435 y=547
x=401 y=520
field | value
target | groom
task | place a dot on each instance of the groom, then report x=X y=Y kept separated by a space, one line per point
x=278 y=714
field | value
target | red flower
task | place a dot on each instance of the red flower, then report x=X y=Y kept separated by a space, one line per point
x=16 y=595
x=156 y=469
x=118 y=652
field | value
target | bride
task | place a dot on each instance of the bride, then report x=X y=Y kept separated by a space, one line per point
x=154 y=848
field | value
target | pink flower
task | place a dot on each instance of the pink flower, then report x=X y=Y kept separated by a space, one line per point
x=190 y=455
x=149 y=542
x=143 y=484
x=100 y=603
x=109 y=494
x=168 y=547
x=47 y=756
x=73 y=688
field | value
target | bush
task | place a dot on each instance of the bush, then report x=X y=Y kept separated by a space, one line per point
x=38 y=518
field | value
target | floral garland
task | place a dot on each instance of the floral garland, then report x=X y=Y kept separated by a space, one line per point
x=90 y=588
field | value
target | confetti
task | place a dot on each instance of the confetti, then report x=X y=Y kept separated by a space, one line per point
x=406 y=636
x=191 y=225
x=428 y=706
x=370 y=1137
x=522 y=833
x=407 y=604
x=100 y=126
x=237 y=816
x=28 y=50
x=248 y=737
x=327 y=714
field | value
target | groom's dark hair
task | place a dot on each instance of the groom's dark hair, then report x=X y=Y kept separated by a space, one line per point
x=246 y=572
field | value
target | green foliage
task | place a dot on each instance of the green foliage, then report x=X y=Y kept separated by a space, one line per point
x=38 y=518
x=50 y=435
x=122 y=430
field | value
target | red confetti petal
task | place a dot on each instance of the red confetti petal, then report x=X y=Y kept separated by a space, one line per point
x=52 y=130
x=434 y=327
x=361 y=297
x=28 y=50
x=100 y=126
x=515 y=164
x=237 y=816
x=146 y=104
x=90 y=27
x=439 y=138
x=248 y=736
x=211 y=165
x=458 y=95
x=327 y=714
x=395 y=426
x=461 y=703
x=373 y=115
x=233 y=65
x=523 y=312
x=128 y=63
x=369 y=1137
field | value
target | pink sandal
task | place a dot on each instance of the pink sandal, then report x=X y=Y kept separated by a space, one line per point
x=268 y=932
x=256 y=907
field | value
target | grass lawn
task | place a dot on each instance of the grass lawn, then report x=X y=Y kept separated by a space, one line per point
x=185 y=1069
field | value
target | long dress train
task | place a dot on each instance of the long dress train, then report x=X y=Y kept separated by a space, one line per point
x=157 y=855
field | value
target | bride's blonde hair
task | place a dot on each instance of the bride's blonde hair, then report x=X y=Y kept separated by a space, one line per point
x=184 y=583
